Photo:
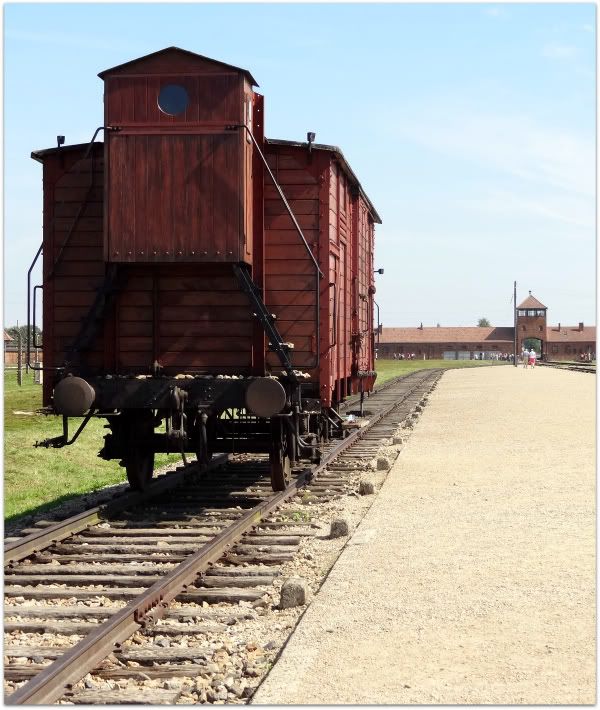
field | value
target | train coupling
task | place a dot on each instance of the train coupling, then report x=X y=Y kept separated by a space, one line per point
x=56 y=442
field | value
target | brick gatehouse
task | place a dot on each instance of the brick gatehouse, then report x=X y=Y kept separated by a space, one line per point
x=560 y=342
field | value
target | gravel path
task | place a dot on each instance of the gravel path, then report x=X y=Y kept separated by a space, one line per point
x=472 y=577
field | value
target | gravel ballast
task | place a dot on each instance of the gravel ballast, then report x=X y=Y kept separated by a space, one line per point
x=472 y=577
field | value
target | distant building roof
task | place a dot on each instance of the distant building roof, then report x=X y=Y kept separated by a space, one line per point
x=447 y=335
x=531 y=302
x=569 y=333
x=7 y=337
x=490 y=335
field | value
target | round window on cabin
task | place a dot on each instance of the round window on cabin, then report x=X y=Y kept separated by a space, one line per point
x=173 y=99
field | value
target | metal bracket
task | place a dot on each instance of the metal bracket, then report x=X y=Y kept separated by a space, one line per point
x=58 y=442
x=266 y=319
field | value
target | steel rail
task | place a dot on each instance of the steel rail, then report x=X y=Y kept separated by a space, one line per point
x=355 y=398
x=58 y=678
x=36 y=541
x=573 y=366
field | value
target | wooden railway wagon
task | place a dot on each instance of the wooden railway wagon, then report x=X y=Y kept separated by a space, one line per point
x=200 y=276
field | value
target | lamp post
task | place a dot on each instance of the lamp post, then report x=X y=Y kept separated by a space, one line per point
x=515 y=325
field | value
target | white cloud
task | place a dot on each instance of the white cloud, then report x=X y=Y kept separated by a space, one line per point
x=550 y=208
x=554 y=50
x=514 y=145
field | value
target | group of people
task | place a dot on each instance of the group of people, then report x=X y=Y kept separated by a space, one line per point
x=504 y=357
x=528 y=357
x=402 y=356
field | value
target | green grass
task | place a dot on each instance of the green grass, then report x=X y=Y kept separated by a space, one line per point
x=37 y=479
x=387 y=369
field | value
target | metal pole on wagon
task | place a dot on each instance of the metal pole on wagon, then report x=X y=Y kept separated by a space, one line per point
x=515 y=324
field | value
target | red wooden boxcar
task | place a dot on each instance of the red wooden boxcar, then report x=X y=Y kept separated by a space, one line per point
x=193 y=268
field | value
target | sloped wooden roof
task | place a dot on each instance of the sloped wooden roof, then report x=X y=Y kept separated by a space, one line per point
x=39 y=155
x=531 y=302
x=146 y=62
x=7 y=337
x=569 y=333
x=447 y=335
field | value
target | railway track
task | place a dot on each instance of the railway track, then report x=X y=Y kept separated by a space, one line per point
x=574 y=366
x=138 y=596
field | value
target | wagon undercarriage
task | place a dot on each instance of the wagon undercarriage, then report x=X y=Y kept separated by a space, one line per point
x=200 y=416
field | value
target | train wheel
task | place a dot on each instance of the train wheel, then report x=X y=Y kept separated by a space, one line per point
x=138 y=429
x=279 y=460
x=202 y=433
x=139 y=465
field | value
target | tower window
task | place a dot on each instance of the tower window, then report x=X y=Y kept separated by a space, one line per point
x=173 y=99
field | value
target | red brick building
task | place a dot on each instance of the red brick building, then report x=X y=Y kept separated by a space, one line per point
x=560 y=342
x=7 y=339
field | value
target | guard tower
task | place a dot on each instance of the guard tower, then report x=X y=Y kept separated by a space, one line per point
x=531 y=324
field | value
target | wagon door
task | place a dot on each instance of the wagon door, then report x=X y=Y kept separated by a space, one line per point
x=178 y=177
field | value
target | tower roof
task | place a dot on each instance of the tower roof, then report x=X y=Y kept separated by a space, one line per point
x=531 y=302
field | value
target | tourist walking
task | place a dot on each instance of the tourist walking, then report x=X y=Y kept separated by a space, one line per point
x=532 y=356
x=525 y=357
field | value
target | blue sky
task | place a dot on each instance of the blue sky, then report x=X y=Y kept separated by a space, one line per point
x=472 y=128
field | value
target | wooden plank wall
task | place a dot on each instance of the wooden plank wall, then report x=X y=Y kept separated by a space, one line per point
x=365 y=265
x=190 y=318
x=132 y=99
x=340 y=247
x=176 y=198
x=177 y=185
x=290 y=276
x=193 y=317
x=71 y=279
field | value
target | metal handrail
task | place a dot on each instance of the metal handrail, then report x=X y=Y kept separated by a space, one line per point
x=51 y=273
x=33 y=263
x=300 y=232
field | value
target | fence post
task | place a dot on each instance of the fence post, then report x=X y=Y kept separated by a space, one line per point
x=19 y=361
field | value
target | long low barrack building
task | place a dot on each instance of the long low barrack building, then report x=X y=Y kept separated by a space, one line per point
x=560 y=342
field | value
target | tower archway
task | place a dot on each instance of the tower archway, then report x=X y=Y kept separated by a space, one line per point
x=531 y=325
